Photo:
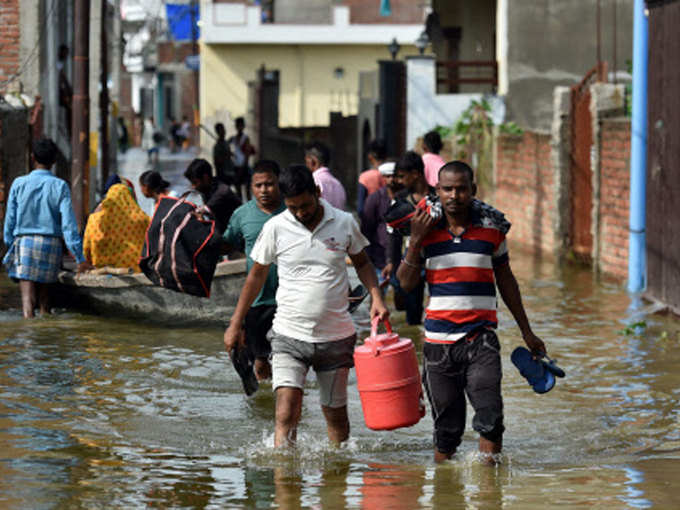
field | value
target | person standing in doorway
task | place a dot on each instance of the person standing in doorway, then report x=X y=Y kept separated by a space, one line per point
x=241 y=150
x=466 y=257
x=65 y=88
x=224 y=168
x=317 y=159
x=312 y=327
x=39 y=214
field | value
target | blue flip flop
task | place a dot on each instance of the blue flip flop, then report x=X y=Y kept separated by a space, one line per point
x=551 y=365
x=540 y=378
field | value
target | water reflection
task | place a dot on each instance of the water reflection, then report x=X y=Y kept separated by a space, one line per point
x=101 y=412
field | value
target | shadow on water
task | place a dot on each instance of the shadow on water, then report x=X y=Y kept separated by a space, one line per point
x=104 y=412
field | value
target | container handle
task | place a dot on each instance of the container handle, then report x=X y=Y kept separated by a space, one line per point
x=374 y=326
x=375 y=346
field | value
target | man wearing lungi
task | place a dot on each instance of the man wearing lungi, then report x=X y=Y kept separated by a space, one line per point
x=39 y=214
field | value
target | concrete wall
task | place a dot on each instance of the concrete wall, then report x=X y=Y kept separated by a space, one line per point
x=309 y=88
x=425 y=109
x=554 y=42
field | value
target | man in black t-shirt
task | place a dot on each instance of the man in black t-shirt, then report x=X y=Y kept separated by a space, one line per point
x=218 y=199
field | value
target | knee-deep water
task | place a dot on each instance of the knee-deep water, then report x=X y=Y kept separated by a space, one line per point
x=103 y=412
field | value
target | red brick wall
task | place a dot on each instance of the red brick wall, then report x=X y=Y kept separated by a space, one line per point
x=615 y=192
x=525 y=190
x=171 y=52
x=9 y=41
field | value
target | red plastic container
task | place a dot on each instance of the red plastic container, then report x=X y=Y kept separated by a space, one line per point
x=388 y=380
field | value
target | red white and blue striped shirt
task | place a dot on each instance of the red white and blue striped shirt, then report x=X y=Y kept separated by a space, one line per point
x=460 y=277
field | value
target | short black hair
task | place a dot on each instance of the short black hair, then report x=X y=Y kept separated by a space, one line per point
x=410 y=162
x=45 y=151
x=433 y=142
x=265 y=166
x=319 y=151
x=153 y=180
x=458 y=167
x=219 y=126
x=378 y=148
x=197 y=169
x=296 y=180
x=240 y=120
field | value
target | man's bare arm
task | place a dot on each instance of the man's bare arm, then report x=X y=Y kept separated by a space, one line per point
x=251 y=288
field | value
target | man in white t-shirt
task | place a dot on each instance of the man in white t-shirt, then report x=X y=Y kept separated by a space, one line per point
x=312 y=327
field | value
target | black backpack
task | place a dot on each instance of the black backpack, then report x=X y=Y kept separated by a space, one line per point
x=180 y=250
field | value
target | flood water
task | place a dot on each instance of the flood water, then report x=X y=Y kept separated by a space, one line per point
x=108 y=413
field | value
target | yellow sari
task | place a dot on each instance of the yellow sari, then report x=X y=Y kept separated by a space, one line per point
x=114 y=235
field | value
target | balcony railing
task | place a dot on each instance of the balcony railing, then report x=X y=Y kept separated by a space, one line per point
x=451 y=74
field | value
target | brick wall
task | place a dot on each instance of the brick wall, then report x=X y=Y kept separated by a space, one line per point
x=171 y=52
x=9 y=41
x=525 y=190
x=615 y=192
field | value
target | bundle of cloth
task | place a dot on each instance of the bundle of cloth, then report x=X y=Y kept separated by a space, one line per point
x=398 y=216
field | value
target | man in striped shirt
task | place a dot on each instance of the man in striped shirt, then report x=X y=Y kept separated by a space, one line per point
x=466 y=257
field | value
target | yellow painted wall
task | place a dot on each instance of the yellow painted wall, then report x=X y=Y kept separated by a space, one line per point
x=308 y=88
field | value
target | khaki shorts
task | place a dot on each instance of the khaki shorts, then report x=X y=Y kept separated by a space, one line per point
x=331 y=361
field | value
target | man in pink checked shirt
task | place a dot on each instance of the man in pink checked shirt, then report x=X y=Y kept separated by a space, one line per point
x=317 y=157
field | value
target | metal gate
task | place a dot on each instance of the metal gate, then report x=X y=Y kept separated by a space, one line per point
x=581 y=173
x=663 y=154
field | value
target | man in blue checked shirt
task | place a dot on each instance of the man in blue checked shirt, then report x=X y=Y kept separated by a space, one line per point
x=39 y=214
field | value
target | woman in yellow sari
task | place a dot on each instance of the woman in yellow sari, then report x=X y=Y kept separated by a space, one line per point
x=114 y=235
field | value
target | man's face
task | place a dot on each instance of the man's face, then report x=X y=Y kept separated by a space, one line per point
x=202 y=184
x=391 y=182
x=455 y=192
x=311 y=162
x=265 y=189
x=406 y=179
x=304 y=207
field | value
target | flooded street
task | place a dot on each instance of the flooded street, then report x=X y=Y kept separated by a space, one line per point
x=107 y=413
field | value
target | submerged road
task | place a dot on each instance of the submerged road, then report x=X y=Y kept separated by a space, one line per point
x=100 y=412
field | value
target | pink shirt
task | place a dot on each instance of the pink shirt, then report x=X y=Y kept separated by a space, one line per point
x=331 y=188
x=432 y=162
x=372 y=180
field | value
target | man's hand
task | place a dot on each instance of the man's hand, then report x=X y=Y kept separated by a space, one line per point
x=378 y=309
x=234 y=336
x=421 y=224
x=84 y=266
x=535 y=344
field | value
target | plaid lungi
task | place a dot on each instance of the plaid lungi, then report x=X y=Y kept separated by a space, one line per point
x=34 y=257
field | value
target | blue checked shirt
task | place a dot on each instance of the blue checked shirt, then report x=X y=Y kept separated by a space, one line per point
x=40 y=203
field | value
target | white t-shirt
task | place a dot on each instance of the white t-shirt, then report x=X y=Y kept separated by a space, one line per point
x=313 y=285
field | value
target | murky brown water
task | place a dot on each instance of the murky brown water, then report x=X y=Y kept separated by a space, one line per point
x=106 y=413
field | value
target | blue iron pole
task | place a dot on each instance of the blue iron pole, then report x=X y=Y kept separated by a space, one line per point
x=637 y=264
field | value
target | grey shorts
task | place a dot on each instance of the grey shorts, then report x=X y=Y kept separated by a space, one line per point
x=331 y=361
